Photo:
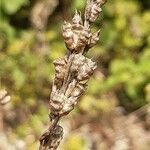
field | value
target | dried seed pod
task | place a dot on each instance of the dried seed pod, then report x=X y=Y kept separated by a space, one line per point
x=51 y=138
x=94 y=12
x=79 y=33
x=86 y=70
x=77 y=18
x=56 y=102
x=72 y=73
x=77 y=62
x=84 y=37
x=78 y=90
x=94 y=38
x=83 y=67
x=60 y=70
x=68 y=35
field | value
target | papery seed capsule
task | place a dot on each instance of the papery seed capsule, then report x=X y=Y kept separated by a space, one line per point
x=80 y=33
x=68 y=35
x=77 y=62
x=77 y=18
x=94 y=39
x=56 y=102
x=86 y=70
x=83 y=38
x=60 y=68
x=78 y=91
x=95 y=10
x=81 y=43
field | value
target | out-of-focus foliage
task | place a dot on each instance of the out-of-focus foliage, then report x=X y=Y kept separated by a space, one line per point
x=122 y=77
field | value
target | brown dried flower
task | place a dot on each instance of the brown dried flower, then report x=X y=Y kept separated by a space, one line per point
x=72 y=72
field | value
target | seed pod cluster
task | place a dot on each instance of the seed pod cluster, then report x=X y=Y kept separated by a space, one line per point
x=78 y=35
x=73 y=71
x=81 y=69
x=75 y=35
x=61 y=104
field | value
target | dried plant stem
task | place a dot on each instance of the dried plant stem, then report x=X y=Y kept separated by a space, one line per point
x=72 y=72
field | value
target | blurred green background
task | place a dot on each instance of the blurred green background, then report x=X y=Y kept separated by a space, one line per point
x=30 y=40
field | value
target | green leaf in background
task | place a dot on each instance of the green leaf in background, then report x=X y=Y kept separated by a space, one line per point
x=79 y=4
x=12 y=6
x=75 y=142
x=19 y=78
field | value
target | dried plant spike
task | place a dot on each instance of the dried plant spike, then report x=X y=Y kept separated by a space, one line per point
x=71 y=72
